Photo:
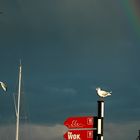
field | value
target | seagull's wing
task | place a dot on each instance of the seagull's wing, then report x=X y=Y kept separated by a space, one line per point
x=105 y=93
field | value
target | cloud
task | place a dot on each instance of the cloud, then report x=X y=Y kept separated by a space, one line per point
x=33 y=132
x=112 y=130
x=62 y=91
x=48 y=132
x=123 y=131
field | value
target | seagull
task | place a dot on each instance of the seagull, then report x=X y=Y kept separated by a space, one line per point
x=102 y=93
x=3 y=85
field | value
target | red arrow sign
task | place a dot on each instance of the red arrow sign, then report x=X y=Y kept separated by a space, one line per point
x=80 y=122
x=79 y=135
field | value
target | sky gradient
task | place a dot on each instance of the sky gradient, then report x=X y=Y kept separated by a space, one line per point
x=68 y=48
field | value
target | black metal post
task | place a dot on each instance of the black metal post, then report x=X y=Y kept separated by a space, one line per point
x=100 y=120
x=138 y=138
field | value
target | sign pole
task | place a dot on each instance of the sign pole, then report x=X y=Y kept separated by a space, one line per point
x=138 y=138
x=100 y=119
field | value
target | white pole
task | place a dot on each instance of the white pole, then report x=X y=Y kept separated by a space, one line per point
x=18 y=105
x=100 y=119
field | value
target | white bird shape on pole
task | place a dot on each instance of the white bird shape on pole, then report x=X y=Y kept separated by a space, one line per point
x=102 y=93
x=3 y=85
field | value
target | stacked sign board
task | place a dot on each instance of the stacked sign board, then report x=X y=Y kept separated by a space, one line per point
x=81 y=128
x=79 y=135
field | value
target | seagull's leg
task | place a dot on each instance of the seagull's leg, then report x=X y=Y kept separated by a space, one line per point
x=101 y=99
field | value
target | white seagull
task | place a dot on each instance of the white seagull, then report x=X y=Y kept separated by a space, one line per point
x=3 y=85
x=102 y=93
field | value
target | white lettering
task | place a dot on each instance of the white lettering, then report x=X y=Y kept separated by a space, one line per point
x=73 y=136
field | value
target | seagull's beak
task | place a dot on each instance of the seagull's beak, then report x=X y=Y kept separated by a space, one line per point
x=97 y=88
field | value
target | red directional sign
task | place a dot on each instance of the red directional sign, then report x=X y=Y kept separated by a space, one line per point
x=79 y=135
x=80 y=122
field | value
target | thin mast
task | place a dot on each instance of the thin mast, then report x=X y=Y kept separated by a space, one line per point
x=18 y=104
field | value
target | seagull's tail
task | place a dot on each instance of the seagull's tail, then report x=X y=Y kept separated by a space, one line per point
x=109 y=93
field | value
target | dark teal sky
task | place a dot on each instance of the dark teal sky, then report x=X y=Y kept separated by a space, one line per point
x=68 y=48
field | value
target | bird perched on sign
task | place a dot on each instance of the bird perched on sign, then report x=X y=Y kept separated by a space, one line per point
x=102 y=93
x=3 y=85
